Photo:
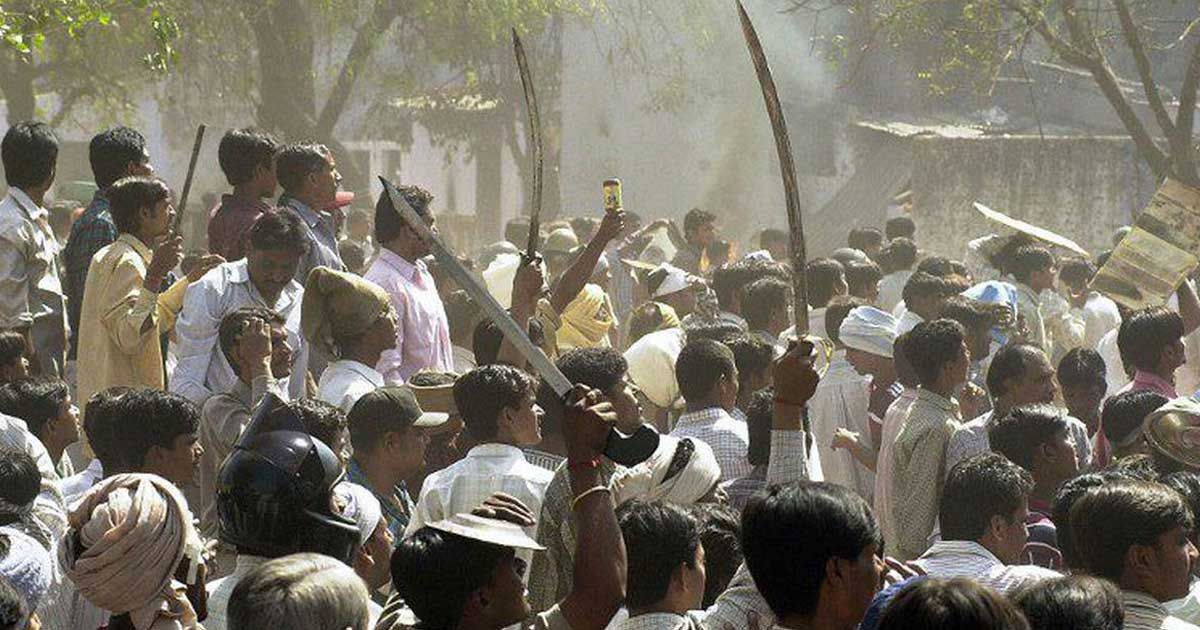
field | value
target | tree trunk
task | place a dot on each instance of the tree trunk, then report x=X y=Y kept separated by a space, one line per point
x=284 y=33
x=489 y=158
x=16 y=83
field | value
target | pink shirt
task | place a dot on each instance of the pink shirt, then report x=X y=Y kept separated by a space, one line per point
x=422 y=330
x=1152 y=382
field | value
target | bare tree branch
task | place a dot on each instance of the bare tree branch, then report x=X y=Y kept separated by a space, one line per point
x=1145 y=72
x=384 y=13
x=68 y=103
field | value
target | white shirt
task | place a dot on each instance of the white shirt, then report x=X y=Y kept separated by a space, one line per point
x=1114 y=369
x=893 y=421
x=1143 y=612
x=972 y=439
x=345 y=381
x=487 y=469
x=969 y=559
x=30 y=280
x=891 y=289
x=842 y=401
x=1100 y=316
x=220 y=590
x=202 y=369
x=908 y=321
x=74 y=486
x=728 y=437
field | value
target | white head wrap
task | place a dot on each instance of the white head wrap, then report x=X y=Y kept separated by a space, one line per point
x=362 y=507
x=26 y=566
x=676 y=280
x=869 y=329
x=648 y=480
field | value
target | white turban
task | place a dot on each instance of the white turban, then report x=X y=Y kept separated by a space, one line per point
x=869 y=329
x=648 y=480
x=362 y=507
x=676 y=280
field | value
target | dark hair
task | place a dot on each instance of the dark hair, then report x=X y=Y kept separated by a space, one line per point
x=487 y=339
x=20 y=481
x=863 y=239
x=582 y=226
x=696 y=219
x=435 y=572
x=898 y=255
x=294 y=162
x=730 y=281
x=658 y=538
x=144 y=418
x=1145 y=335
x=99 y=427
x=1076 y=272
x=862 y=277
x=462 y=313
x=759 y=416
x=837 y=312
x=937 y=266
x=388 y=223
x=1108 y=520
x=932 y=346
x=764 y=298
x=823 y=276
x=12 y=347
x=38 y=401
x=751 y=354
x=953 y=604
x=977 y=489
x=924 y=285
x=1187 y=484
x=645 y=319
x=900 y=227
x=485 y=392
x=721 y=534
x=29 y=153
x=243 y=151
x=1082 y=367
x=112 y=151
x=700 y=365
x=770 y=236
x=1080 y=602
x=966 y=311
x=719 y=248
x=1002 y=260
x=601 y=368
x=1124 y=414
x=14 y=609
x=278 y=230
x=130 y=195
x=1065 y=498
x=789 y=569
x=715 y=330
x=233 y=324
x=353 y=255
x=1010 y=363
x=1029 y=260
x=321 y=420
x=1139 y=466
x=906 y=374
x=1018 y=434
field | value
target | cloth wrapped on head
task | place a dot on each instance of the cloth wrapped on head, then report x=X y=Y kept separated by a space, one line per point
x=586 y=320
x=125 y=540
x=362 y=506
x=339 y=305
x=869 y=329
x=681 y=471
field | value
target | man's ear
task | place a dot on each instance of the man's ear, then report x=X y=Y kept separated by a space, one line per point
x=1141 y=560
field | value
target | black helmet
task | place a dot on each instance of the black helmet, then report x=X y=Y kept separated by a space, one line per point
x=275 y=490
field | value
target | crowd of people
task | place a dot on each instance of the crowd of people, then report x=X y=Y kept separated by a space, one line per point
x=310 y=424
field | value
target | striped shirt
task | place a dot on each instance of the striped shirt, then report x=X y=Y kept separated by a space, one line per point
x=969 y=559
x=729 y=439
x=1143 y=612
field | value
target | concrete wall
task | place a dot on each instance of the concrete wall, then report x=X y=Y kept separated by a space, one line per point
x=1082 y=188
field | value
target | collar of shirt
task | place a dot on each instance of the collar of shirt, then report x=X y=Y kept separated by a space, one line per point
x=355 y=474
x=703 y=416
x=403 y=267
x=99 y=203
x=1144 y=604
x=31 y=209
x=945 y=549
x=1153 y=382
x=137 y=245
x=1028 y=293
x=654 y=620
x=939 y=401
x=238 y=272
x=496 y=450
x=361 y=369
x=310 y=216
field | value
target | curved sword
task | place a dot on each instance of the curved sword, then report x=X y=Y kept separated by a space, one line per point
x=535 y=144
x=787 y=167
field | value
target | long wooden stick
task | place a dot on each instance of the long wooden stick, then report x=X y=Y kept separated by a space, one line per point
x=191 y=172
x=535 y=143
x=787 y=168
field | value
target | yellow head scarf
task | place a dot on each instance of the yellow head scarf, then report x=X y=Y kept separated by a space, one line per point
x=338 y=305
x=586 y=320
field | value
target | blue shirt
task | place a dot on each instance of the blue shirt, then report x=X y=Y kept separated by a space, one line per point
x=322 y=240
x=397 y=518
x=93 y=231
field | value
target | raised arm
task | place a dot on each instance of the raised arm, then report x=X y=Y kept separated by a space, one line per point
x=581 y=270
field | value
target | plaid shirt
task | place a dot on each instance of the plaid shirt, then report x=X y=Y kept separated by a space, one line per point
x=729 y=439
x=918 y=470
x=969 y=559
x=93 y=231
